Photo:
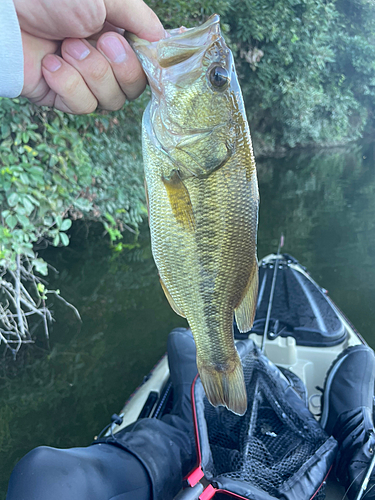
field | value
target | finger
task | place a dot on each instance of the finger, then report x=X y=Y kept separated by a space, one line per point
x=135 y=16
x=125 y=65
x=35 y=87
x=58 y=20
x=96 y=72
x=107 y=27
x=72 y=93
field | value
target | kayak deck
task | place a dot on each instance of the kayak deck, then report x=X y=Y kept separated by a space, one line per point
x=309 y=362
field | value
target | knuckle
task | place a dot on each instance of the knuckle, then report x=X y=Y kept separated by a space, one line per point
x=94 y=27
x=38 y=94
x=99 y=70
x=90 y=18
x=133 y=76
x=135 y=91
x=117 y=105
x=71 y=84
x=89 y=108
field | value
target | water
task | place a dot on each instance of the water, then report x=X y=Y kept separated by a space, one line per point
x=323 y=202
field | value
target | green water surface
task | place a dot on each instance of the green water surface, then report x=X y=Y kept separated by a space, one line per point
x=323 y=202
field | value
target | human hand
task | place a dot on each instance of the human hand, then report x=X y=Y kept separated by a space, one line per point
x=75 y=57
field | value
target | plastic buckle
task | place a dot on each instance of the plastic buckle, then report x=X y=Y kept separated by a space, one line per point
x=195 y=477
x=208 y=493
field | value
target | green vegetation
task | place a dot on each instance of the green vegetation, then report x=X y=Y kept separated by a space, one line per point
x=306 y=67
x=307 y=70
x=56 y=168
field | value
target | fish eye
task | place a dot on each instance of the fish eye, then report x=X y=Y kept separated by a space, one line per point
x=218 y=77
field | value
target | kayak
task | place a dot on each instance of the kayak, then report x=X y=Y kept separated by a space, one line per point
x=317 y=351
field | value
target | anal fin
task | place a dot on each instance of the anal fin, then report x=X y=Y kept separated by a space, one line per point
x=245 y=311
x=172 y=303
x=147 y=201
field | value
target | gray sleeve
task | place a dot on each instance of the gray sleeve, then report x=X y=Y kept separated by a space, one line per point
x=11 y=52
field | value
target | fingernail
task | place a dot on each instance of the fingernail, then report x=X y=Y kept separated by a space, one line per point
x=51 y=63
x=77 y=49
x=113 y=49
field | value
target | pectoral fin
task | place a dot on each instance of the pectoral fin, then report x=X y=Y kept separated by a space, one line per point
x=179 y=199
x=245 y=311
x=172 y=303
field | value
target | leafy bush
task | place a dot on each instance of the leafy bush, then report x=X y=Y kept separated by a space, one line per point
x=307 y=69
x=57 y=167
x=188 y=13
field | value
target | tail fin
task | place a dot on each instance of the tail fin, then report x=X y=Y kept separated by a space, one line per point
x=225 y=387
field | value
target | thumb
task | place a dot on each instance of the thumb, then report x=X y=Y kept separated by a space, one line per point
x=135 y=16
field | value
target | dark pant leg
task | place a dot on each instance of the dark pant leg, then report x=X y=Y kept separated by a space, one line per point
x=110 y=470
x=99 y=472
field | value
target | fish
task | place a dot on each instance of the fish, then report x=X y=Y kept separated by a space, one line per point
x=202 y=196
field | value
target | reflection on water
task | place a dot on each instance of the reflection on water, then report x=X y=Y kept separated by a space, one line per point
x=323 y=202
x=325 y=205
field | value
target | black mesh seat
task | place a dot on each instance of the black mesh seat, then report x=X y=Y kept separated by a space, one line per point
x=276 y=450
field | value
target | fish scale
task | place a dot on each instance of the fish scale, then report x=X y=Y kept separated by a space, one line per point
x=203 y=197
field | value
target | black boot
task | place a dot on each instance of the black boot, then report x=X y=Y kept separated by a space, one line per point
x=348 y=416
x=183 y=370
x=166 y=447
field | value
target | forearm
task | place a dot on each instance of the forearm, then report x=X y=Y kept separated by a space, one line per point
x=11 y=53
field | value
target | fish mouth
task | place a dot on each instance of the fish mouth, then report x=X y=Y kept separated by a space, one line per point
x=180 y=45
x=197 y=34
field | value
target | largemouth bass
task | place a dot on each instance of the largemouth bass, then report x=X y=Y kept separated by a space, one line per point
x=202 y=193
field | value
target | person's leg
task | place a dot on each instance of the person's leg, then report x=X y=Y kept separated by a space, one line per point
x=165 y=450
x=348 y=416
x=100 y=472
x=166 y=447
x=183 y=369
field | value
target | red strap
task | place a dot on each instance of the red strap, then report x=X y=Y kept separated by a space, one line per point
x=208 y=493
x=195 y=476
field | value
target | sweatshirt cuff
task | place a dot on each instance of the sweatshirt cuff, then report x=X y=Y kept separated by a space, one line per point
x=11 y=51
